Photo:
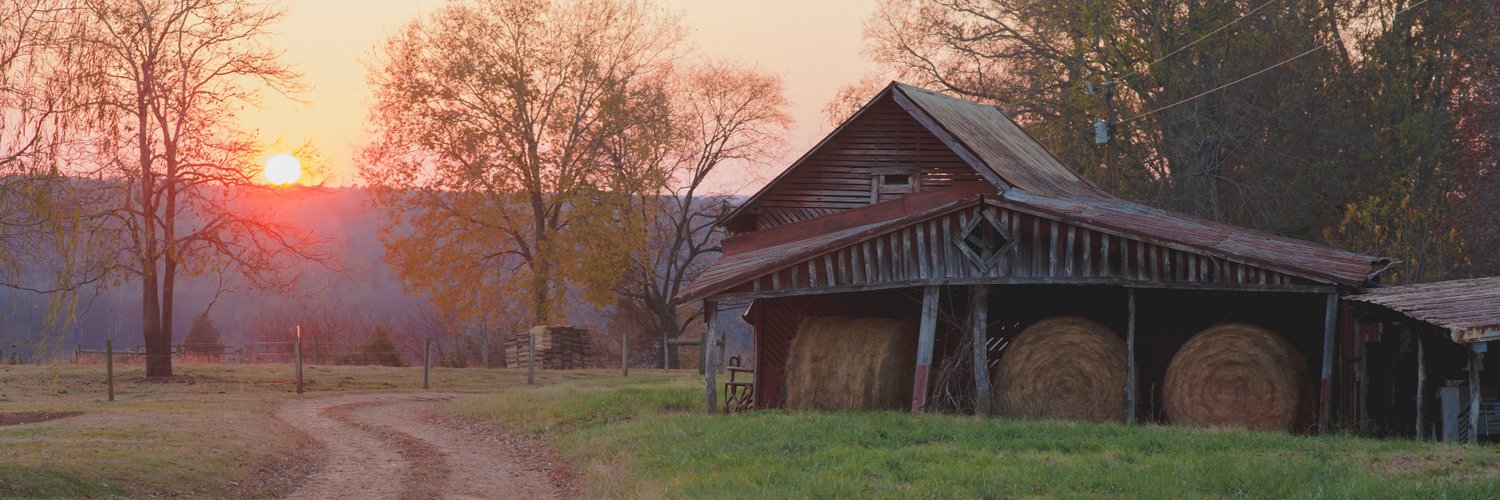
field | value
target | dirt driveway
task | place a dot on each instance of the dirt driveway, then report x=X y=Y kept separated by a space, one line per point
x=394 y=445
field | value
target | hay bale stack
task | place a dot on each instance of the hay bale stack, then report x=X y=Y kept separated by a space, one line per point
x=1063 y=367
x=1238 y=375
x=839 y=363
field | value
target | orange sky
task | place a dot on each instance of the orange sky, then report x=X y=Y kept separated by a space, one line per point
x=813 y=45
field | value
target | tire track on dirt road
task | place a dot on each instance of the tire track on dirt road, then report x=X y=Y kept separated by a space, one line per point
x=389 y=445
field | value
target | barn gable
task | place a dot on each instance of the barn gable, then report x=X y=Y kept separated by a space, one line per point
x=880 y=154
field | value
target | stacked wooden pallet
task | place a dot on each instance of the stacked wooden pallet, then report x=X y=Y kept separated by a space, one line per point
x=558 y=347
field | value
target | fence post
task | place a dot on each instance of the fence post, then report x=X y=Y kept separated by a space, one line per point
x=624 y=354
x=531 y=358
x=426 y=363
x=297 y=355
x=109 y=366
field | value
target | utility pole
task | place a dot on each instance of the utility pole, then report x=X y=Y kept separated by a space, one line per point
x=1104 y=134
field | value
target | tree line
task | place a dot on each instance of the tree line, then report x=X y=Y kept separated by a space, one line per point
x=531 y=155
x=1372 y=125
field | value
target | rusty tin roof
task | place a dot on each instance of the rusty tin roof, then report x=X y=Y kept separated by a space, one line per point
x=1468 y=309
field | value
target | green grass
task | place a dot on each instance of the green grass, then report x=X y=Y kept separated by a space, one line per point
x=644 y=437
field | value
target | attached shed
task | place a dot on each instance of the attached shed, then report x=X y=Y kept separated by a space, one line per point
x=1420 y=352
x=945 y=213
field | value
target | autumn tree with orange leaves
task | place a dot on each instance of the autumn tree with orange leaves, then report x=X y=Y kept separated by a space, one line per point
x=490 y=120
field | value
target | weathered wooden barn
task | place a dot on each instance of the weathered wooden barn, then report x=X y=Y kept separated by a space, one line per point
x=931 y=208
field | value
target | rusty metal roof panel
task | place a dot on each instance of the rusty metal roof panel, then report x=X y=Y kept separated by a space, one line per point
x=1278 y=253
x=1002 y=145
x=736 y=267
x=1469 y=309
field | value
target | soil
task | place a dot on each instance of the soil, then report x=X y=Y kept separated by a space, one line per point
x=31 y=417
x=396 y=445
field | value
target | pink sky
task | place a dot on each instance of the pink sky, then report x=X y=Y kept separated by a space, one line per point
x=813 y=45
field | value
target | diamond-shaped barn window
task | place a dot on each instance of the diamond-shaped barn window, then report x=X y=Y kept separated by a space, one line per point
x=983 y=240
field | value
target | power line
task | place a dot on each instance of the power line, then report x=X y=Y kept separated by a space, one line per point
x=1200 y=39
x=1321 y=46
x=1221 y=87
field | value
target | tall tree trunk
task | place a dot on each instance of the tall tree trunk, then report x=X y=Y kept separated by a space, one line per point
x=158 y=349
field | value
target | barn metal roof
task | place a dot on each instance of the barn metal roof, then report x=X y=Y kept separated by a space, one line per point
x=1163 y=227
x=746 y=260
x=1468 y=309
x=756 y=254
x=1002 y=146
x=1001 y=151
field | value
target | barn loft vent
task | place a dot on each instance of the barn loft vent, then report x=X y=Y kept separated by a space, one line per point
x=896 y=179
x=984 y=239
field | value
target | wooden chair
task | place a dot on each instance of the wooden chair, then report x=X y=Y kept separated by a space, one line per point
x=739 y=395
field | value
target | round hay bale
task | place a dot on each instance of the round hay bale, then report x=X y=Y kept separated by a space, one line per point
x=840 y=363
x=1063 y=367
x=1237 y=375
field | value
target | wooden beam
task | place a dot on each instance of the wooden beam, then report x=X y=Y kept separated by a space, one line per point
x=711 y=396
x=1110 y=281
x=927 y=332
x=1325 y=394
x=1421 y=383
x=1130 y=356
x=1476 y=359
x=979 y=305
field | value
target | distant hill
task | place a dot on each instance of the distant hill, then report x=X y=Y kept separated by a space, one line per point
x=367 y=286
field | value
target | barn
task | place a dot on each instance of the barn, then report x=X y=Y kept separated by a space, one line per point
x=943 y=217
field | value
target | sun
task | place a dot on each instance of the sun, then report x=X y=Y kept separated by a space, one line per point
x=283 y=169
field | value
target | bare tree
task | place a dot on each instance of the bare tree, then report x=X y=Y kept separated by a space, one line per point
x=723 y=116
x=183 y=198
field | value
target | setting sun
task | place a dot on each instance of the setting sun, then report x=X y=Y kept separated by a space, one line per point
x=283 y=169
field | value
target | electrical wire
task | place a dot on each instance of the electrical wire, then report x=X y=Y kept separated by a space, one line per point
x=1321 y=46
x=1200 y=39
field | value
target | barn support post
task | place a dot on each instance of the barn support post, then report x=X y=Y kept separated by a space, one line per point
x=1476 y=358
x=979 y=309
x=710 y=339
x=1325 y=393
x=927 y=332
x=1130 y=356
x=1421 y=383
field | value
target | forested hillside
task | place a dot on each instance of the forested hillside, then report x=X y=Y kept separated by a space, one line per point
x=340 y=300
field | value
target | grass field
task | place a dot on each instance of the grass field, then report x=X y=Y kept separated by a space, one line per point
x=644 y=438
x=210 y=433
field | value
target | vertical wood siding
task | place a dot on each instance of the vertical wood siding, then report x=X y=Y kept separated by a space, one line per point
x=1046 y=251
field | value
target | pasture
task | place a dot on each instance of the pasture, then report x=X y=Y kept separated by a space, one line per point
x=213 y=432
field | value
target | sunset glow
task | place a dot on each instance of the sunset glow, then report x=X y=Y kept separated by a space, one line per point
x=283 y=169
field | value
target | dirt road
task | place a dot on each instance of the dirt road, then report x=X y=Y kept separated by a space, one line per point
x=393 y=445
